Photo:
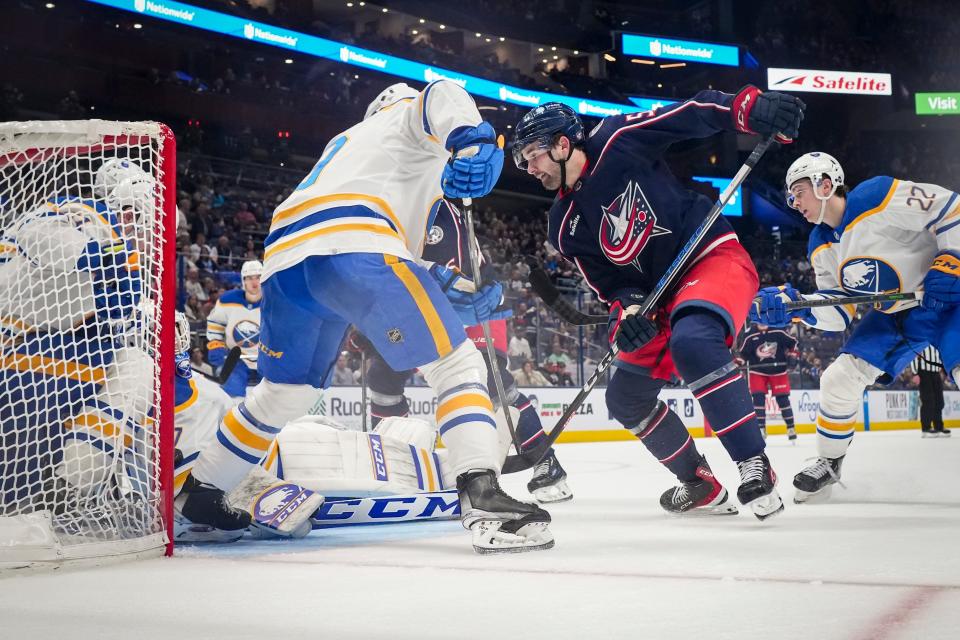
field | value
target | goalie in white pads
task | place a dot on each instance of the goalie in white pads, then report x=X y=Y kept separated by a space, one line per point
x=343 y=249
x=65 y=392
x=884 y=236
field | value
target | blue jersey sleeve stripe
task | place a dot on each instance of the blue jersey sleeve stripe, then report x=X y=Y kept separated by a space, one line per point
x=423 y=108
x=948 y=227
x=351 y=211
x=943 y=211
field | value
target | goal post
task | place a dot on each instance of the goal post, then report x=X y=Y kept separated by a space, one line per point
x=87 y=303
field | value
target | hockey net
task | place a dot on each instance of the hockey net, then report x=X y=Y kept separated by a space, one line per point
x=87 y=240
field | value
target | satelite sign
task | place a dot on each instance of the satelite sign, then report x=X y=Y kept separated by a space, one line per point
x=818 y=81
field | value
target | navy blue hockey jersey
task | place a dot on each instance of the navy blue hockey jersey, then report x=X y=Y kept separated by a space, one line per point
x=627 y=217
x=768 y=351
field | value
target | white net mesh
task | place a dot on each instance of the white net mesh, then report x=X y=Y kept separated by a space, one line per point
x=82 y=239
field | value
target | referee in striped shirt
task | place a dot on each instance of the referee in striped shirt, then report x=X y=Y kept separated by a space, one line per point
x=928 y=367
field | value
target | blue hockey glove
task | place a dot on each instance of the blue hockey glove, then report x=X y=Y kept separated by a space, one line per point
x=941 y=285
x=472 y=176
x=769 y=307
x=630 y=330
x=116 y=281
x=103 y=260
x=763 y=113
x=472 y=306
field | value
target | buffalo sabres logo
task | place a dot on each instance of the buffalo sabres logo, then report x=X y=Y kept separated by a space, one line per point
x=766 y=350
x=246 y=334
x=435 y=235
x=868 y=276
x=628 y=223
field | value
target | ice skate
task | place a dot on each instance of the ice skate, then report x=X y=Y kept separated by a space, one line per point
x=815 y=483
x=499 y=523
x=204 y=504
x=549 y=482
x=792 y=435
x=703 y=496
x=758 y=484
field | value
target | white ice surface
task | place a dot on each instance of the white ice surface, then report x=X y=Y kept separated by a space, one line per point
x=878 y=562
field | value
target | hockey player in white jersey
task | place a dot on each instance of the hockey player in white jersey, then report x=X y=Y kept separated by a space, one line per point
x=884 y=236
x=235 y=322
x=59 y=366
x=343 y=249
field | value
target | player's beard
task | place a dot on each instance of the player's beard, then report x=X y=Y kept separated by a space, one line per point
x=550 y=182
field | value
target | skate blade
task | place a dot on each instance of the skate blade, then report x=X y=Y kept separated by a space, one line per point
x=815 y=497
x=204 y=534
x=488 y=539
x=558 y=492
x=766 y=506
x=707 y=511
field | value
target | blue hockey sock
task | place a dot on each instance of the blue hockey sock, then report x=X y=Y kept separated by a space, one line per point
x=699 y=350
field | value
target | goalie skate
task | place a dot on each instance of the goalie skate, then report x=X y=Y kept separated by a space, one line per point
x=499 y=523
x=204 y=504
x=186 y=532
x=704 y=496
x=549 y=482
x=815 y=483
x=758 y=487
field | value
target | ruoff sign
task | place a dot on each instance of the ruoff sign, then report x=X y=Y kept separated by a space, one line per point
x=874 y=84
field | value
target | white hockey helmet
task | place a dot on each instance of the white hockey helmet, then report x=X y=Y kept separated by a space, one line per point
x=391 y=95
x=251 y=268
x=181 y=343
x=123 y=184
x=815 y=166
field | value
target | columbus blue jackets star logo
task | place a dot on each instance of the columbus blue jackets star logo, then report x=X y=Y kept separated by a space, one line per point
x=627 y=225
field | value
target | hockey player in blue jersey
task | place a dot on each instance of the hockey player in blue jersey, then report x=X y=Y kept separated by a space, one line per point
x=447 y=246
x=343 y=249
x=622 y=217
x=884 y=236
x=235 y=322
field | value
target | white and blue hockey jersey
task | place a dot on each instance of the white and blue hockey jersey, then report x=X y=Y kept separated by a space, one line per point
x=234 y=322
x=886 y=242
x=375 y=184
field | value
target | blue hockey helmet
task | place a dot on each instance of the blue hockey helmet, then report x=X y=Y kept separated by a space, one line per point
x=542 y=125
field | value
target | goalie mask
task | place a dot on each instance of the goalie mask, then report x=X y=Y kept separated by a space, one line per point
x=815 y=166
x=124 y=186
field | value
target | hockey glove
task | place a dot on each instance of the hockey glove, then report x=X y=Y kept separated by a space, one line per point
x=471 y=305
x=628 y=328
x=769 y=307
x=476 y=163
x=941 y=285
x=765 y=113
x=105 y=260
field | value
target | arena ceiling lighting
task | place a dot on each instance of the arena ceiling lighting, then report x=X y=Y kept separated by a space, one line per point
x=261 y=33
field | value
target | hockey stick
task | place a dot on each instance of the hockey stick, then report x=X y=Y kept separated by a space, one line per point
x=228 y=366
x=473 y=249
x=679 y=264
x=869 y=299
x=540 y=282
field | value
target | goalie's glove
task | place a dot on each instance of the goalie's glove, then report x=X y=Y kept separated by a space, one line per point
x=471 y=305
x=769 y=307
x=765 y=113
x=476 y=162
x=116 y=279
x=627 y=327
x=941 y=285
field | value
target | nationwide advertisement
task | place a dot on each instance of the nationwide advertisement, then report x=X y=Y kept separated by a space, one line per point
x=819 y=81
x=686 y=50
x=307 y=45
